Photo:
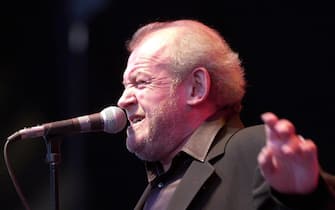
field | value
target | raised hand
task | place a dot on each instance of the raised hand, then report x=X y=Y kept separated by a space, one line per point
x=288 y=162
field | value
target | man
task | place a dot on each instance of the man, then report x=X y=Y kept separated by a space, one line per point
x=183 y=92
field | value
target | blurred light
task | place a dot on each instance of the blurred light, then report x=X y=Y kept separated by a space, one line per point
x=78 y=37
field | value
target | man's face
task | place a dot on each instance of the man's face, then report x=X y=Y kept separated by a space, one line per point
x=153 y=105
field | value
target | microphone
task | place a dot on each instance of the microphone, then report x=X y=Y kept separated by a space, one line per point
x=111 y=120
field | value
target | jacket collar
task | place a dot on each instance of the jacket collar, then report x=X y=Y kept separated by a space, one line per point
x=191 y=184
x=199 y=172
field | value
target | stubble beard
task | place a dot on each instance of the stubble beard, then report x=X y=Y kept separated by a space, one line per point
x=161 y=137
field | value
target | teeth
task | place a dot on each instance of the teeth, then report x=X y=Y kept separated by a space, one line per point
x=136 y=120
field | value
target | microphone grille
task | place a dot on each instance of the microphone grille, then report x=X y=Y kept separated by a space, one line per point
x=114 y=119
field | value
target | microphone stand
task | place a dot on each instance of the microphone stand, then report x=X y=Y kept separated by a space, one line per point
x=53 y=158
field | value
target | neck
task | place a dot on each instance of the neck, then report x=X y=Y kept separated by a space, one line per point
x=166 y=162
x=226 y=112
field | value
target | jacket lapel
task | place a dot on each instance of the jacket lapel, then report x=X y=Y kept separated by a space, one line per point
x=199 y=172
x=223 y=137
x=193 y=180
x=141 y=202
x=220 y=146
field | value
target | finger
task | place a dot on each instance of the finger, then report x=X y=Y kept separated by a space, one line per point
x=309 y=149
x=269 y=119
x=265 y=162
x=304 y=150
x=276 y=129
x=292 y=145
x=284 y=129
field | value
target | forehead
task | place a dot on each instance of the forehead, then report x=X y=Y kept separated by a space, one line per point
x=155 y=38
x=152 y=52
x=155 y=44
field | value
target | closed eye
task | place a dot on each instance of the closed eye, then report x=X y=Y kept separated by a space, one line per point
x=141 y=83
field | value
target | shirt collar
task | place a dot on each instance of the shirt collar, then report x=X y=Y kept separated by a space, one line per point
x=197 y=146
x=200 y=141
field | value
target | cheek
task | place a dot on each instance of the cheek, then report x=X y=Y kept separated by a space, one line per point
x=152 y=98
x=181 y=98
x=144 y=99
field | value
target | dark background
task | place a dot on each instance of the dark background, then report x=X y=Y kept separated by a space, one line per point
x=63 y=59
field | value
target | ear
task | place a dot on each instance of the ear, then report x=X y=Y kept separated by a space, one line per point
x=199 y=83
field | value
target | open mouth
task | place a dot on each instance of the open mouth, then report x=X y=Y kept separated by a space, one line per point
x=135 y=119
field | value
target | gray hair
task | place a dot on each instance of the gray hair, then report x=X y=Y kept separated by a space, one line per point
x=199 y=45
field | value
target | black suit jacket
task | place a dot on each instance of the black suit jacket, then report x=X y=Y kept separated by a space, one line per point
x=229 y=178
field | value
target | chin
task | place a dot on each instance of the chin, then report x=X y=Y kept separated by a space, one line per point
x=142 y=152
x=134 y=146
x=146 y=157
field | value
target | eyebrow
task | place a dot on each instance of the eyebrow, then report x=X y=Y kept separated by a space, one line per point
x=132 y=75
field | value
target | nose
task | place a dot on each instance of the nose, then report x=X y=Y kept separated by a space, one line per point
x=127 y=98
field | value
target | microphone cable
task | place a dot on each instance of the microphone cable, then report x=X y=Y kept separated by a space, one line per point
x=12 y=175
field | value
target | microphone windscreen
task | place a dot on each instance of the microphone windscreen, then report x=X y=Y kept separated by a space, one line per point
x=114 y=119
